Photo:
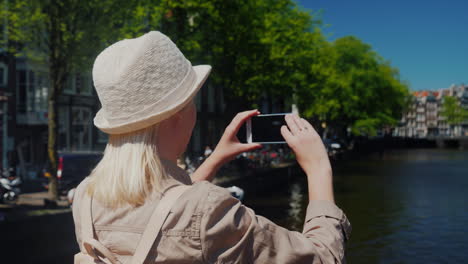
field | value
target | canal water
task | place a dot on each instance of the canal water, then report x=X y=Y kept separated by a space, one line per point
x=406 y=206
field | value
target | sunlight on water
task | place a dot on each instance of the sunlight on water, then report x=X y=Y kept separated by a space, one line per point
x=405 y=206
x=295 y=206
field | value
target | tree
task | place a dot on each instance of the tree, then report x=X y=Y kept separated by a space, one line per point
x=257 y=48
x=292 y=40
x=65 y=35
x=271 y=49
x=356 y=88
x=453 y=112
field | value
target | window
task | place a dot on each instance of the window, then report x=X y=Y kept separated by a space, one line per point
x=41 y=92
x=81 y=126
x=102 y=137
x=78 y=83
x=196 y=138
x=63 y=124
x=198 y=101
x=25 y=150
x=211 y=132
x=420 y=118
x=31 y=90
x=69 y=85
x=83 y=84
x=3 y=74
x=211 y=99
x=21 y=90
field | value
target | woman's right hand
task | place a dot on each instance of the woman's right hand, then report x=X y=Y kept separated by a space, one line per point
x=311 y=156
x=227 y=149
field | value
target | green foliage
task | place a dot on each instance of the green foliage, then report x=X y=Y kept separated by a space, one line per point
x=263 y=49
x=68 y=31
x=258 y=49
x=452 y=111
x=356 y=88
x=65 y=35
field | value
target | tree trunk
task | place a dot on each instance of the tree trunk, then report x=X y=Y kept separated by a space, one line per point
x=52 y=139
x=57 y=67
x=58 y=77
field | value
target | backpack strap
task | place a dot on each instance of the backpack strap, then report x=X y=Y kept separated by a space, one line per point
x=156 y=221
x=86 y=217
x=90 y=245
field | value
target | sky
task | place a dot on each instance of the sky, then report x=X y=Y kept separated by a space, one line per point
x=426 y=40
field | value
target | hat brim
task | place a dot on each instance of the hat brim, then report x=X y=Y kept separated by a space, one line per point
x=202 y=72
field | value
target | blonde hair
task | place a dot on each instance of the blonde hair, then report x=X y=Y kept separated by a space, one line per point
x=129 y=170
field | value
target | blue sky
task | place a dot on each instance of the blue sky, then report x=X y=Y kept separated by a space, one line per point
x=426 y=40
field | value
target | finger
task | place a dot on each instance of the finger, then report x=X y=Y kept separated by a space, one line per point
x=251 y=146
x=240 y=119
x=298 y=122
x=292 y=124
x=287 y=135
x=309 y=127
x=306 y=124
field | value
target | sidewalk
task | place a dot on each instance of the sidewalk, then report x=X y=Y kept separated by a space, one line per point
x=29 y=205
x=32 y=199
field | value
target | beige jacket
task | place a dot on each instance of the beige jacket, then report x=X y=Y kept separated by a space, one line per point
x=208 y=225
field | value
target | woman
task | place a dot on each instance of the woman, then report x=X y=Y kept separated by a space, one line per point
x=146 y=88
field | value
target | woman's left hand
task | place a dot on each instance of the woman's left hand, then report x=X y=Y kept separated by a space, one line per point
x=227 y=149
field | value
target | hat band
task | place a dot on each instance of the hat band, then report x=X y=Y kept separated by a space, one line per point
x=166 y=103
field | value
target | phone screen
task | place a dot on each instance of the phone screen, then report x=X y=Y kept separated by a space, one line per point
x=267 y=128
x=263 y=129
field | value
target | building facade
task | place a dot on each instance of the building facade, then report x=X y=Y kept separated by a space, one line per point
x=3 y=109
x=27 y=114
x=423 y=118
x=24 y=118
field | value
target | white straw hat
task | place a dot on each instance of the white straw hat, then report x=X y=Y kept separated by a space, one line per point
x=143 y=81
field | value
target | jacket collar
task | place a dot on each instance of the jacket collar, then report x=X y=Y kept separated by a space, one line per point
x=176 y=174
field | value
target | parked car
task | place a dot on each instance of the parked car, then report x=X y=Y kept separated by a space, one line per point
x=73 y=167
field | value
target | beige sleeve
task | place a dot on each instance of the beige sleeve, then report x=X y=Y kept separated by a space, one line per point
x=233 y=233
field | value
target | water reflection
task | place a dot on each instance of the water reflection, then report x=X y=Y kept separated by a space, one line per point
x=405 y=206
x=296 y=201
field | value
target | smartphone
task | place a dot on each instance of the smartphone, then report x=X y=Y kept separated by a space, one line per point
x=263 y=129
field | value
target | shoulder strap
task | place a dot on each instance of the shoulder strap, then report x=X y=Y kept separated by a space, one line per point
x=86 y=218
x=90 y=245
x=156 y=221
